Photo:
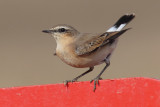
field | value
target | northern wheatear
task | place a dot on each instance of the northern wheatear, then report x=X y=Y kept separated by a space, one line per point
x=85 y=49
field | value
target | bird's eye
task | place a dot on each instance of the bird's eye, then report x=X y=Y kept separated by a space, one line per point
x=61 y=30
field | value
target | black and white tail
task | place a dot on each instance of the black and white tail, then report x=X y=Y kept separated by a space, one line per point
x=121 y=23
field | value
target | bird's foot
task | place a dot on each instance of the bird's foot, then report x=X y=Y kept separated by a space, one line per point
x=96 y=82
x=68 y=81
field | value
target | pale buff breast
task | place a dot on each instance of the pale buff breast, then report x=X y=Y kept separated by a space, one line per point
x=68 y=55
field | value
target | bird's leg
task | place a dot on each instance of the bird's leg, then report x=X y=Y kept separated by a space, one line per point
x=75 y=79
x=96 y=80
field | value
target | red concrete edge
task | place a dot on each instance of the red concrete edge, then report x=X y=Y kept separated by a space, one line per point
x=132 y=92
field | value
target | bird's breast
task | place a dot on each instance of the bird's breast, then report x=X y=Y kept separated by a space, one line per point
x=68 y=56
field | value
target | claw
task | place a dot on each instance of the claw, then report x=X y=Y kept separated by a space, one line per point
x=67 y=81
x=91 y=81
x=100 y=78
x=96 y=82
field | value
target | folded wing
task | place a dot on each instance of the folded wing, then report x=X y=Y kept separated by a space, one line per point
x=97 y=42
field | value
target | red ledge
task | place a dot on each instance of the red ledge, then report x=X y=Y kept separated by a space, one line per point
x=127 y=92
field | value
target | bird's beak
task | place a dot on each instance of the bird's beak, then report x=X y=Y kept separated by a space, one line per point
x=47 y=31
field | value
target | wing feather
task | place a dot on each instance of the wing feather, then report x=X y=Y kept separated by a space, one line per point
x=96 y=42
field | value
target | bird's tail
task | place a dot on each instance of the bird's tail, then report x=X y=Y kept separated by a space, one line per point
x=121 y=23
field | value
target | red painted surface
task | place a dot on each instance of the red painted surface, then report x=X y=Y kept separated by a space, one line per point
x=128 y=92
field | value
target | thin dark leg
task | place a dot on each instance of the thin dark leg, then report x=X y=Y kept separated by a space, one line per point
x=75 y=79
x=96 y=80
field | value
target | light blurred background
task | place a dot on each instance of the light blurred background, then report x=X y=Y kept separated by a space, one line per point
x=26 y=54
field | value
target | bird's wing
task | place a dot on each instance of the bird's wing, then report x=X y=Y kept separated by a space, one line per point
x=89 y=43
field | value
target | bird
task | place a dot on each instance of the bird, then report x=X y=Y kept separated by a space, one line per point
x=86 y=50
